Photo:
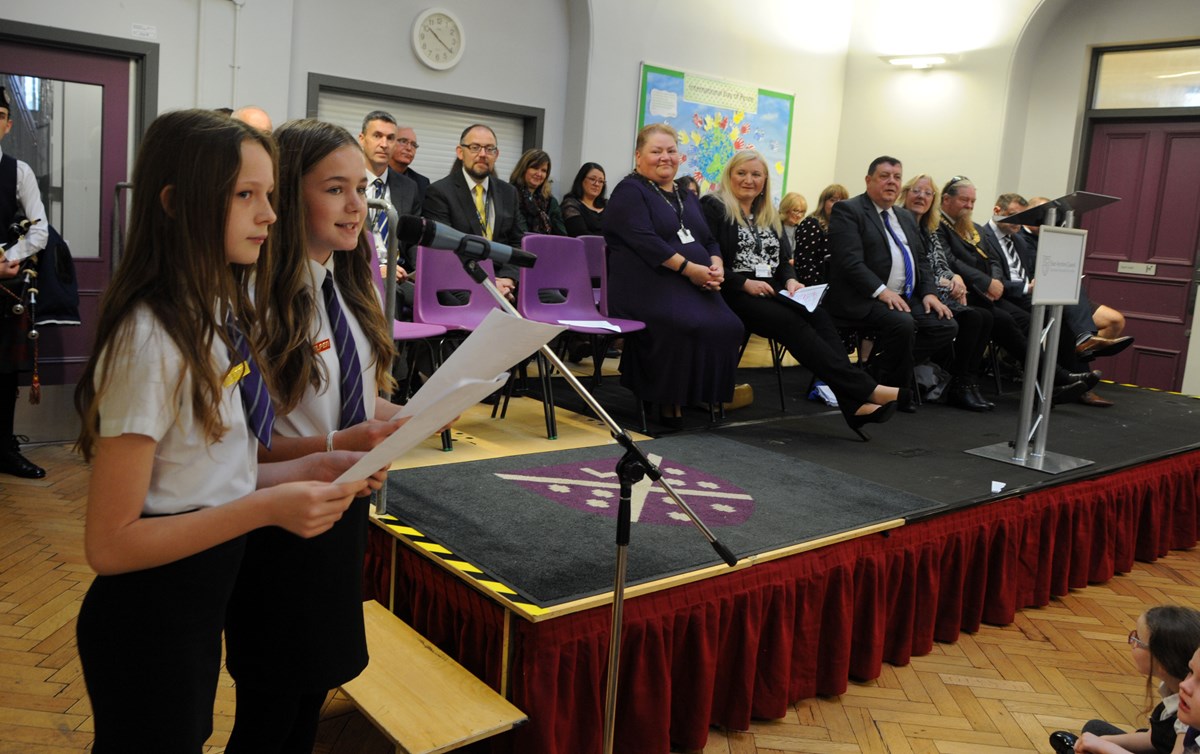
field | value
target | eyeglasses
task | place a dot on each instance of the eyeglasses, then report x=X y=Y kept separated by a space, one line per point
x=596 y=181
x=491 y=150
x=1134 y=641
x=408 y=143
x=920 y=192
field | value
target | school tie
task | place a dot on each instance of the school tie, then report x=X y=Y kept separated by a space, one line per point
x=381 y=217
x=1014 y=261
x=904 y=252
x=353 y=411
x=481 y=209
x=256 y=401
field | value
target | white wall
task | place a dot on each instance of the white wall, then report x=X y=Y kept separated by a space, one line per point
x=795 y=46
x=944 y=121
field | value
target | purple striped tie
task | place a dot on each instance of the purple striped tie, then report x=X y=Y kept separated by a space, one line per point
x=260 y=413
x=353 y=411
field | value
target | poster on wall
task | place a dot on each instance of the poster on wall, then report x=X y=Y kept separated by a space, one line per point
x=715 y=118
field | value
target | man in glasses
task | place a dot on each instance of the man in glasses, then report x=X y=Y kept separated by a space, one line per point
x=403 y=154
x=473 y=200
x=880 y=280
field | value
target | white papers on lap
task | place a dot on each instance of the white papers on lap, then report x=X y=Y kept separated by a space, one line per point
x=478 y=367
x=808 y=297
x=602 y=324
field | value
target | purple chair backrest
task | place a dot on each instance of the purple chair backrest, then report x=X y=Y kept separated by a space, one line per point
x=597 y=264
x=438 y=271
x=561 y=265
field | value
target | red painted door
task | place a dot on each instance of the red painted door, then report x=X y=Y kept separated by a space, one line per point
x=102 y=130
x=1142 y=251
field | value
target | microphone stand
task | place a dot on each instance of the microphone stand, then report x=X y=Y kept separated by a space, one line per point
x=631 y=468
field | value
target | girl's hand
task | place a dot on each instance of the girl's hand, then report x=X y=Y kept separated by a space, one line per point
x=365 y=435
x=307 y=509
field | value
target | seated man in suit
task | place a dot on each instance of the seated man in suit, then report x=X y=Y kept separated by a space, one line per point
x=377 y=138
x=879 y=279
x=1080 y=341
x=403 y=154
x=473 y=200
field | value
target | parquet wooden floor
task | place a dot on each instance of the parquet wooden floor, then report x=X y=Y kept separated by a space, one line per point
x=998 y=691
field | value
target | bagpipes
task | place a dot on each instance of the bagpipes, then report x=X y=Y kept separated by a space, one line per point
x=46 y=278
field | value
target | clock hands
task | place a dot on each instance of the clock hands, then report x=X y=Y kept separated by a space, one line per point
x=439 y=39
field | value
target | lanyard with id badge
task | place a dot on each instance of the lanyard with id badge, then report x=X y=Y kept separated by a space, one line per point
x=762 y=270
x=685 y=235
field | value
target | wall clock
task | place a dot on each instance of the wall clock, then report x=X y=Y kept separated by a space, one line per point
x=438 y=38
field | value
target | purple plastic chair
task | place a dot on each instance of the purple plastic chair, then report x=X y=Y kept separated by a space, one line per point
x=562 y=266
x=597 y=267
x=413 y=332
x=441 y=272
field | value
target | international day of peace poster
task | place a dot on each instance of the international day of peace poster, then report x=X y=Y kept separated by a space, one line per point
x=714 y=119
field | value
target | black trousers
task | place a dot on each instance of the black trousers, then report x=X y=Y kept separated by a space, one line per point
x=903 y=339
x=811 y=338
x=275 y=721
x=974 y=332
x=150 y=646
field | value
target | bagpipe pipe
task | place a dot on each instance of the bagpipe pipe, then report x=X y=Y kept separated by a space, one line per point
x=44 y=292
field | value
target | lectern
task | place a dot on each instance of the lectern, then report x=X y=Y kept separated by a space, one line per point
x=1059 y=271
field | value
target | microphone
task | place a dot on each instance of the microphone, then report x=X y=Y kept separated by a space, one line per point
x=437 y=235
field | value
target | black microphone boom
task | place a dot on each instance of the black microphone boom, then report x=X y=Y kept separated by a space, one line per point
x=437 y=235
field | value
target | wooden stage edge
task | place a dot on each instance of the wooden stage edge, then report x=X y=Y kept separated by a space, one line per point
x=471 y=575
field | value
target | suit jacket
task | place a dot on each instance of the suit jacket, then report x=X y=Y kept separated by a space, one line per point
x=977 y=271
x=449 y=201
x=1013 y=289
x=861 y=257
x=421 y=181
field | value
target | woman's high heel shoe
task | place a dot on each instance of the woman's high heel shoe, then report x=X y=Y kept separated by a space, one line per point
x=878 y=416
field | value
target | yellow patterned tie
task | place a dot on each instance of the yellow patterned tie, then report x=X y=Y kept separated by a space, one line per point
x=481 y=210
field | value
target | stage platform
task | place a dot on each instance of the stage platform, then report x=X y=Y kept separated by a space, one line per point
x=850 y=555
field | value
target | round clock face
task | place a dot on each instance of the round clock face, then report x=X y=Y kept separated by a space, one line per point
x=438 y=39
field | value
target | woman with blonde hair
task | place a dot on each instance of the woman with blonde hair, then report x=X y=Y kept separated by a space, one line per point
x=792 y=209
x=758 y=267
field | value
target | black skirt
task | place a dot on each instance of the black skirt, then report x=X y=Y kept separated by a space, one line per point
x=295 y=620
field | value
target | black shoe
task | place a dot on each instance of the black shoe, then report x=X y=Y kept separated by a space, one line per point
x=878 y=416
x=963 y=396
x=1063 y=742
x=979 y=396
x=1068 y=393
x=906 y=401
x=1091 y=379
x=12 y=462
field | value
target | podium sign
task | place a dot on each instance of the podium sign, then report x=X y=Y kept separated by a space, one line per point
x=1059 y=266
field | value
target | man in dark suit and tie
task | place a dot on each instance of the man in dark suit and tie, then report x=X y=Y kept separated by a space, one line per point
x=473 y=200
x=377 y=138
x=880 y=280
x=403 y=154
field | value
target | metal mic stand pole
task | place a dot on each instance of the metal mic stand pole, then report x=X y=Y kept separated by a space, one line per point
x=632 y=466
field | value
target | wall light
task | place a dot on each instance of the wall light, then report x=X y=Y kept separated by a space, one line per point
x=915 y=62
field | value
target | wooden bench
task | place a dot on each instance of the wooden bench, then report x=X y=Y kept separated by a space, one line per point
x=418 y=697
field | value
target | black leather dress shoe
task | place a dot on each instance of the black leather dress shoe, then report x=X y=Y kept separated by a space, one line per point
x=963 y=396
x=979 y=396
x=12 y=462
x=1063 y=742
x=1096 y=346
x=906 y=401
x=1068 y=393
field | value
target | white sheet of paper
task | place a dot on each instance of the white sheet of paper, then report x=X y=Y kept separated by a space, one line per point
x=601 y=323
x=477 y=368
x=808 y=297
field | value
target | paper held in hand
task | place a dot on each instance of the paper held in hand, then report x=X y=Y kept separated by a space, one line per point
x=809 y=296
x=478 y=367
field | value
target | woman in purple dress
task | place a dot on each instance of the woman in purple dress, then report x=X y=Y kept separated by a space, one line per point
x=665 y=269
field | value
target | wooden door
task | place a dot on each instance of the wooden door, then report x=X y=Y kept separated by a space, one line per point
x=1142 y=251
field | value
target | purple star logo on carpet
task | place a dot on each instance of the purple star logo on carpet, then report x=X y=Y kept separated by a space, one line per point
x=592 y=486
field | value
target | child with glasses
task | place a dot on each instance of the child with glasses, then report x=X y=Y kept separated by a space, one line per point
x=1162 y=644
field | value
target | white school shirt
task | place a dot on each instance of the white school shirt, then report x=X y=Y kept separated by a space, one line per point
x=29 y=199
x=189 y=472
x=319 y=411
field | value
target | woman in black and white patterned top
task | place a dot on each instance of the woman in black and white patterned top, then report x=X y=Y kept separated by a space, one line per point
x=758 y=266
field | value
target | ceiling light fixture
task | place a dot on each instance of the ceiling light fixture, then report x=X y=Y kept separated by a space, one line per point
x=916 y=62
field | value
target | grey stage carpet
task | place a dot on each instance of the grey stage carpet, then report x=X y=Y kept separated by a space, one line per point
x=544 y=524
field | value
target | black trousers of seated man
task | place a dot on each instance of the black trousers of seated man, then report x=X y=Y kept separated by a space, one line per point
x=903 y=339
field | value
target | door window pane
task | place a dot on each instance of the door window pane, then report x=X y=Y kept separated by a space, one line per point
x=1166 y=77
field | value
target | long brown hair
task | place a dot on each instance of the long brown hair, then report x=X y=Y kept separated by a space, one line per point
x=282 y=288
x=532 y=159
x=832 y=191
x=174 y=263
